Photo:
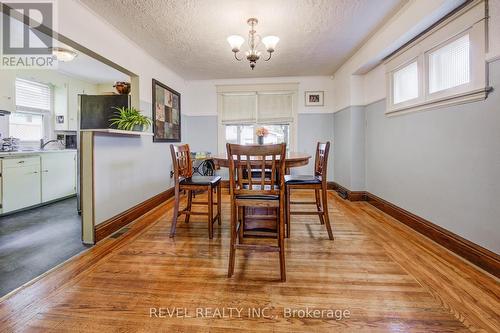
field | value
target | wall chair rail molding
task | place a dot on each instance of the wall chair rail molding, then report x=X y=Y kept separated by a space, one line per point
x=476 y=254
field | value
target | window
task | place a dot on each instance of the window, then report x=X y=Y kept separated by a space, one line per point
x=245 y=134
x=445 y=66
x=406 y=83
x=243 y=109
x=33 y=103
x=26 y=126
x=449 y=65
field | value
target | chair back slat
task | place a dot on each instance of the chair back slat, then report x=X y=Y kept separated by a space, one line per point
x=181 y=162
x=263 y=174
x=249 y=169
x=250 y=165
x=321 y=159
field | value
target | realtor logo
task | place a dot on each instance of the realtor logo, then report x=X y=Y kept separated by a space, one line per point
x=27 y=29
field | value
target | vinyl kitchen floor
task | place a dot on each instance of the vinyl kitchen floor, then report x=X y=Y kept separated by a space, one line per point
x=37 y=240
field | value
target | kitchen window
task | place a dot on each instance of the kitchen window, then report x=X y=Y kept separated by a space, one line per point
x=243 y=109
x=26 y=126
x=445 y=66
x=33 y=107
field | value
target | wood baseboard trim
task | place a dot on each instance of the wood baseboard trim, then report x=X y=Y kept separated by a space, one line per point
x=117 y=222
x=476 y=254
x=346 y=193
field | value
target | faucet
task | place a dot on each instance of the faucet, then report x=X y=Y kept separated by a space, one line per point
x=43 y=144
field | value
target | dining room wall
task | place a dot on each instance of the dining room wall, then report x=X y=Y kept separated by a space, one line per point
x=128 y=170
x=314 y=123
x=442 y=165
x=349 y=148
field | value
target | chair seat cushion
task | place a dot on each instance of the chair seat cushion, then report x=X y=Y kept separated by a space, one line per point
x=302 y=179
x=201 y=180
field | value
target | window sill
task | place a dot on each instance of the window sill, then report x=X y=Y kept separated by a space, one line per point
x=468 y=97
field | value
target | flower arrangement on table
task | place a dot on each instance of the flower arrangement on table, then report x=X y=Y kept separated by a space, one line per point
x=261 y=132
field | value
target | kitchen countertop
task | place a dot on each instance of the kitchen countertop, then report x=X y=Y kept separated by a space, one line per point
x=33 y=152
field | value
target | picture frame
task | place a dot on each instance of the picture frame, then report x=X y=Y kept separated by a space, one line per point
x=166 y=113
x=314 y=98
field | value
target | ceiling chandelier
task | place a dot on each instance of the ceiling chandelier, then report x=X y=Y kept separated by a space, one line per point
x=254 y=40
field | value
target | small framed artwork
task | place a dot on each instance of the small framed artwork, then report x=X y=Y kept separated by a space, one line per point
x=314 y=98
x=60 y=119
x=166 y=113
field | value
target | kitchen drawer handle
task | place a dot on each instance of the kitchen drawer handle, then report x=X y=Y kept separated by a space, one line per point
x=45 y=170
x=35 y=171
x=21 y=162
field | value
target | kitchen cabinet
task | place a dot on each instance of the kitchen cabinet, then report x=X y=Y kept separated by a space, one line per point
x=8 y=91
x=21 y=185
x=58 y=175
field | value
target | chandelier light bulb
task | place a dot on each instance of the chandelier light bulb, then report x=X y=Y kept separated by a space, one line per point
x=270 y=42
x=235 y=42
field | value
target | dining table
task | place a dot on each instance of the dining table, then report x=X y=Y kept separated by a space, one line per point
x=292 y=160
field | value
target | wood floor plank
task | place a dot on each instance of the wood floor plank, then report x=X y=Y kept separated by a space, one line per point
x=386 y=275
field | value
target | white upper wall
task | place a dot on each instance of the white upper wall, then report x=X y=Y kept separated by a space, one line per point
x=202 y=96
x=493 y=30
x=128 y=171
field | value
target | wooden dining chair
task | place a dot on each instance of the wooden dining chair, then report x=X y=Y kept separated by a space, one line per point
x=256 y=177
x=316 y=182
x=185 y=181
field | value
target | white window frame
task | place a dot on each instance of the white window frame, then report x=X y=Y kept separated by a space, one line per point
x=412 y=101
x=471 y=20
x=286 y=88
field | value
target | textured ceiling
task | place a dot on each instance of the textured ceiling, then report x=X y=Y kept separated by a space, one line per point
x=91 y=70
x=189 y=36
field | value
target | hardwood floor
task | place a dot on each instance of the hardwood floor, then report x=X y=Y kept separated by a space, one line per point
x=388 y=277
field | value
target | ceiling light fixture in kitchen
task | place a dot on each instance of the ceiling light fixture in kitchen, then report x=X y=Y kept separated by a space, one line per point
x=63 y=54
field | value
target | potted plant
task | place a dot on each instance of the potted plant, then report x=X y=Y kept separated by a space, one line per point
x=130 y=119
x=261 y=132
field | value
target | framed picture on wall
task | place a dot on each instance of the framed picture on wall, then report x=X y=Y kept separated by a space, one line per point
x=314 y=98
x=166 y=113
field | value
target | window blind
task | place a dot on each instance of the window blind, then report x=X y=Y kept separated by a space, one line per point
x=253 y=107
x=449 y=65
x=238 y=107
x=33 y=96
x=405 y=83
x=275 y=107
